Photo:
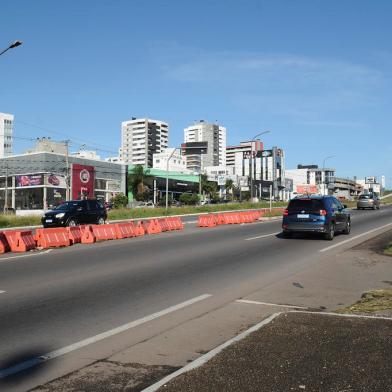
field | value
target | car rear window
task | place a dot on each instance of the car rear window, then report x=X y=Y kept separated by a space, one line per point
x=305 y=205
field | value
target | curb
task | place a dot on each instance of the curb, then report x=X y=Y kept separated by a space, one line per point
x=206 y=357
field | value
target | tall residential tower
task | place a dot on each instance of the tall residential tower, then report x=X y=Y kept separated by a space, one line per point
x=6 y=130
x=215 y=136
x=141 y=138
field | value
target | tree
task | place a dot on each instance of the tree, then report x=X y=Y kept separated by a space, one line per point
x=189 y=198
x=229 y=186
x=119 y=201
x=140 y=182
x=208 y=187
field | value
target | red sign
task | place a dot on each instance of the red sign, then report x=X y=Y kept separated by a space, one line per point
x=307 y=189
x=82 y=181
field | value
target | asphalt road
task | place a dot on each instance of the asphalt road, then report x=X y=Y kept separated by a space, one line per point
x=58 y=298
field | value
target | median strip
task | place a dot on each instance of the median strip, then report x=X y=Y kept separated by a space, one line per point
x=94 y=339
x=355 y=237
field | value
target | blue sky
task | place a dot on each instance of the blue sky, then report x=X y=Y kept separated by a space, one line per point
x=317 y=74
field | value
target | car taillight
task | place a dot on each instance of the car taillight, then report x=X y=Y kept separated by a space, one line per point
x=323 y=212
x=285 y=212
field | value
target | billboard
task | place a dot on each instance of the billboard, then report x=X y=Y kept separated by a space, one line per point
x=56 y=180
x=83 y=178
x=29 y=180
x=309 y=189
x=370 y=180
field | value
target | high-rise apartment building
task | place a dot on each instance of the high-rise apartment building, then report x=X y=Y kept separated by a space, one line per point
x=242 y=151
x=215 y=136
x=141 y=138
x=6 y=130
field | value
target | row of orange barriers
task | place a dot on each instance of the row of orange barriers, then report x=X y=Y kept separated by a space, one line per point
x=44 y=238
x=228 y=218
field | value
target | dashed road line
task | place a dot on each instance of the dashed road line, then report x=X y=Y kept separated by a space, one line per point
x=25 y=255
x=94 y=339
x=248 y=301
x=2 y=291
x=262 y=236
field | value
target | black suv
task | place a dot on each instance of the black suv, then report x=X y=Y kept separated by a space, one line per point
x=317 y=214
x=75 y=212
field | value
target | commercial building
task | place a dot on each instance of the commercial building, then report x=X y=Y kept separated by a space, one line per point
x=141 y=138
x=6 y=132
x=266 y=171
x=244 y=149
x=46 y=144
x=310 y=179
x=32 y=183
x=215 y=137
x=177 y=162
x=178 y=183
x=371 y=185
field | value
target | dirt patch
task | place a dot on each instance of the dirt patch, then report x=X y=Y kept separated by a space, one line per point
x=106 y=376
x=376 y=301
x=376 y=244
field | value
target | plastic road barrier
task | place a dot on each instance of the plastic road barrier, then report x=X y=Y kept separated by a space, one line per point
x=52 y=237
x=20 y=240
x=4 y=247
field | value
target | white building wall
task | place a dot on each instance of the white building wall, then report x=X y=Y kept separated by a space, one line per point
x=6 y=134
x=176 y=163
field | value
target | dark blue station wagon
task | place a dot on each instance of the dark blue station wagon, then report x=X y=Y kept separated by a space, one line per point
x=317 y=214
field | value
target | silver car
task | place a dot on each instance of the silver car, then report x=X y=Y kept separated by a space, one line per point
x=368 y=201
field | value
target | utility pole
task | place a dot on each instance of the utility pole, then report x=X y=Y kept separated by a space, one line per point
x=167 y=179
x=270 y=197
x=67 y=195
x=6 y=189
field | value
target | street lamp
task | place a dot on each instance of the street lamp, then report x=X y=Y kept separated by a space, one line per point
x=325 y=177
x=13 y=45
x=251 y=162
x=167 y=179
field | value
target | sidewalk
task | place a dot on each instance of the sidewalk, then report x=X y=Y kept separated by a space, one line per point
x=300 y=352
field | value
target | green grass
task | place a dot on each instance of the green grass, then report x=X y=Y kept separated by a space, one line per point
x=133 y=213
x=16 y=221
x=371 y=301
x=388 y=249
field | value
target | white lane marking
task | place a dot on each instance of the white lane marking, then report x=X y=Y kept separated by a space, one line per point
x=188 y=223
x=94 y=339
x=248 y=301
x=2 y=291
x=262 y=236
x=206 y=357
x=27 y=255
x=355 y=237
x=343 y=315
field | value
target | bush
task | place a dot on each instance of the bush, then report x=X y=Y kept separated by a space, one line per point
x=119 y=201
x=189 y=199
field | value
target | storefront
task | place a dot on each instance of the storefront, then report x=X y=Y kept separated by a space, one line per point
x=40 y=181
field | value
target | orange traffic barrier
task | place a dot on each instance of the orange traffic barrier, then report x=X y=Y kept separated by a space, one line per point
x=54 y=237
x=4 y=247
x=206 y=221
x=20 y=241
x=164 y=223
x=220 y=219
x=74 y=234
x=88 y=237
x=152 y=226
x=104 y=232
x=124 y=230
x=139 y=229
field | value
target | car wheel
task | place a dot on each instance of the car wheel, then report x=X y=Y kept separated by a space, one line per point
x=71 y=223
x=101 y=221
x=348 y=228
x=330 y=233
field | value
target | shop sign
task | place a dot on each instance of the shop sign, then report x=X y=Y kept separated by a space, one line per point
x=56 y=180
x=29 y=180
x=114 y=186
x=82 y=181
x=309 y=189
